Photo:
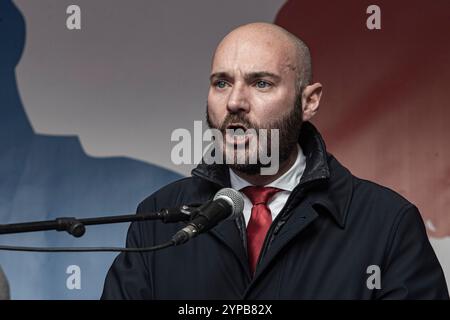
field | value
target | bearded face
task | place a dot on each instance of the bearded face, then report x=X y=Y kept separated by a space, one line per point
x=244 y=141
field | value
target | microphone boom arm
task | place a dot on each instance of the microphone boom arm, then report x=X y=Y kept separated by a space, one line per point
x=76 y=227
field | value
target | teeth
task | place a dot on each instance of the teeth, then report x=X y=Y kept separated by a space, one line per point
x=239 y=132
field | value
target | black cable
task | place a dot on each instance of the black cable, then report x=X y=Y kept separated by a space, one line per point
x=87 y=249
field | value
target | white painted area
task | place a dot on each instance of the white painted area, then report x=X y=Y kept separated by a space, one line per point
x=442 y=249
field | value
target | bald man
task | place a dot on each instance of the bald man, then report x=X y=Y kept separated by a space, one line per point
x=309 y=230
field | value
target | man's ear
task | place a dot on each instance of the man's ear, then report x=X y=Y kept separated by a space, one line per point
x=310 y=100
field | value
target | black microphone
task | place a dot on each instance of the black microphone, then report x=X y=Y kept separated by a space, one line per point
x=227 y=203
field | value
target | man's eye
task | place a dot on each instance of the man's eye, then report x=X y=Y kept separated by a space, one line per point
x=220 y=84
x=261 y=84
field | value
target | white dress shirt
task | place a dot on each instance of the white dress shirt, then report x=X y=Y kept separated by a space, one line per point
x=287 y=182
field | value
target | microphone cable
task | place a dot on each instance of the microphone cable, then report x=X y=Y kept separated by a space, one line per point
x=87 y=249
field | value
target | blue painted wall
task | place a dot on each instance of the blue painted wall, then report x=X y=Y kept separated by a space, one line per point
x=43 y=177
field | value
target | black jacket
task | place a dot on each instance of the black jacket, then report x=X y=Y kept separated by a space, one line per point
x=327 y=243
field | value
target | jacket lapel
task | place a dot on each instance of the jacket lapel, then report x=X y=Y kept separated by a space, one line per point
x=229 y=234
x=227 y=231
x=302 y=216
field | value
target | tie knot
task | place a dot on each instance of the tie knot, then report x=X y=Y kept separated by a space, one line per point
x=259 y=195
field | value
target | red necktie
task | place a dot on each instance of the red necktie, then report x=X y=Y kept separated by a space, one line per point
x=260 y=221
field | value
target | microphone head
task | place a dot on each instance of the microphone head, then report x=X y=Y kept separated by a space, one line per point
x=234 y=198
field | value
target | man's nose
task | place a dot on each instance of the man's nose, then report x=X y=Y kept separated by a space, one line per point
x=238 y=100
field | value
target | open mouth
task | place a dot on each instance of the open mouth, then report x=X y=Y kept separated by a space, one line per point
x=236 y=133
x=237 y=127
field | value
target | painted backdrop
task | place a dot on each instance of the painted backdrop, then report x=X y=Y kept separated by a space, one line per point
x=86 y=115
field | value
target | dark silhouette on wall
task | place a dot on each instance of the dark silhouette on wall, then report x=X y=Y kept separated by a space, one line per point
x=44 y=177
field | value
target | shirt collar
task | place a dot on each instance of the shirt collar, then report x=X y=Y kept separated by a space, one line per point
x=288 y=181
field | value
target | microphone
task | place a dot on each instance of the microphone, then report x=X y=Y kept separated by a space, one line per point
x=226 y=204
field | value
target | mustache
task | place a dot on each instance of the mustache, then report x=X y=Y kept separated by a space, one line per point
x=236 y=119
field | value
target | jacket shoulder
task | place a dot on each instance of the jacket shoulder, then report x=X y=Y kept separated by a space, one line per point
x=362 y=198
x=379 y=206
x=183 y=191
x=378 y=195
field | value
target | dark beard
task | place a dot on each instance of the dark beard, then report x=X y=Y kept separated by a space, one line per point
x=289 y=130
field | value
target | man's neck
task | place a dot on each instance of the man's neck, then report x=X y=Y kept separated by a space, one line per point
x=262 y=180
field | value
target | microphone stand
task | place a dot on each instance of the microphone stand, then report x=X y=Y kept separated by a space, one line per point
x=76 y=227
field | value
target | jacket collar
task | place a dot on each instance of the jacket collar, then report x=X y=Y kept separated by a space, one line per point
x=327 y=183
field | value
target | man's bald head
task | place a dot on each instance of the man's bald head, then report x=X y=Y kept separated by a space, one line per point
x=275 y=35
x=261 y=79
